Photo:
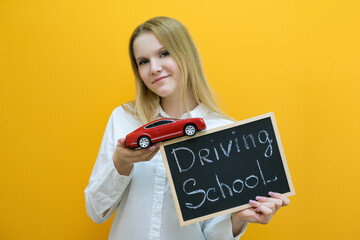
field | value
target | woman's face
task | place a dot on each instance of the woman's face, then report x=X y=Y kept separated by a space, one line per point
x=157 y=68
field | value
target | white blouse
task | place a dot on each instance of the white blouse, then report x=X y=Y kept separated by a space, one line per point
x=145 y=208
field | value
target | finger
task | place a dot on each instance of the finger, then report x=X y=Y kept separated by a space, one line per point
x=265 y=209
x=121 y=142
x=147 y=155
x=153 y=147
x=152 y=155
x=141 y=151
x=248 y=215
x=278 y=202
x=260 y=206
x=255 y=204
x=265 y=214
x=270 y=205
x=133 y=153
x=141 y=155
x=144 y=153
x=285 y=200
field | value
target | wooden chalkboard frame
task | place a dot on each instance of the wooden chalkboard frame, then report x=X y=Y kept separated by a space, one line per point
x=233 y=209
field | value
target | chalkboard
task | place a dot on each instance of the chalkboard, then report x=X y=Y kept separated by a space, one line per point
x=219 y=170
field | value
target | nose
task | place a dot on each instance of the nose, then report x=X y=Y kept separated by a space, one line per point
x=156 y=66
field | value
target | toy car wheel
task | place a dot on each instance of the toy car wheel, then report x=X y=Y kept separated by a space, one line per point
x=144 y=142
x=190 y=130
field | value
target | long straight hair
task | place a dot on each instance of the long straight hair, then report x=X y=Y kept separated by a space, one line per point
x=177 y=41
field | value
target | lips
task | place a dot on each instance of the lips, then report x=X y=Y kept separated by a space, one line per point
x=160 y=78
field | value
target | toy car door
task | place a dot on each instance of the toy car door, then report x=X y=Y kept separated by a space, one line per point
x=168 y=129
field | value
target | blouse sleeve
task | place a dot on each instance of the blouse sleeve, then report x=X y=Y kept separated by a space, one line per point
x=106 y=186
x=221 y=228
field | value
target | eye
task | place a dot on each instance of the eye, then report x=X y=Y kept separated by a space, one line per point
x=164 y=53
x=142 y=62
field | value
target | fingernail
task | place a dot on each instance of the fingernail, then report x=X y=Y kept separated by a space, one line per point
x=272 y=194
x=259 y=198
x=151 y=148
x=252 y=202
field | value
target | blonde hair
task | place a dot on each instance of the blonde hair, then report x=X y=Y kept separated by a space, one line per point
x=177 y=41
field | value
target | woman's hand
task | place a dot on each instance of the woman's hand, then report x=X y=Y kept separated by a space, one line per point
x=261 y=211
x=124 y=158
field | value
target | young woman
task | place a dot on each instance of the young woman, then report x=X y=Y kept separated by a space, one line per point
x=170 y=83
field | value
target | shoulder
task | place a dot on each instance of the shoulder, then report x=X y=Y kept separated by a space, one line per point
x=125 y=110
x=124 y=117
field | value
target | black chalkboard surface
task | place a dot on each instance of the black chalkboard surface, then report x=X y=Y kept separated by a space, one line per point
x=219 y=170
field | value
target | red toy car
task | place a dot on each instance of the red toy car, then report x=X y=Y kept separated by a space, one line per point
x=163 y=129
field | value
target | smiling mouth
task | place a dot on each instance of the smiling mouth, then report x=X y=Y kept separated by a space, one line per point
x=160 y=78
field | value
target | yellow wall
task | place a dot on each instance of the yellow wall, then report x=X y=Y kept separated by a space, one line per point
x=64 y=68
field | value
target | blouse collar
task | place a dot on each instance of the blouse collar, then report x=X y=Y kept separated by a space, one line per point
x=200 y=111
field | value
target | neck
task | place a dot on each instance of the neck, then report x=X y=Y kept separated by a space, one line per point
x=175 y=107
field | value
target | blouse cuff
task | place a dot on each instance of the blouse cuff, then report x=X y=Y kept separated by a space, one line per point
x=110 y=189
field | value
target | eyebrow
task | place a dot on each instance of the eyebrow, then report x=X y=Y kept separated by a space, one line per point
x=159 y=50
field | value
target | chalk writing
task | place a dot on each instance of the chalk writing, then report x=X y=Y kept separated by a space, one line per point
x=249 y=143
x=223 y=169
x=222 y=189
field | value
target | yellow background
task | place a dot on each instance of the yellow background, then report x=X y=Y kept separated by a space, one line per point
x=64 y=67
